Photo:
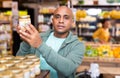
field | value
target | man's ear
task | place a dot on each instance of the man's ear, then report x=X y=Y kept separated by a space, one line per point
x=52 y=20
x=73 y=23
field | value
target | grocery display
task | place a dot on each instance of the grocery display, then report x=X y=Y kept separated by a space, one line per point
x=5 y=35
x=14 y=66
x=87 y=13
x=102 y=52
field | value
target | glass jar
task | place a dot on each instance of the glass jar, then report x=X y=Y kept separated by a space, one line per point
x=31 y=56
x=19 y=75
x=20 y=57
x=8 y=57
x=16 y=61
x=32 y=71
x=24 y=21
x=2 y=67
x=3 y=60
x=9 y=64
x=15 y=70
x=36 y=65
x=31 y=67
x=37 y=68
x=6 y=74
x=25 y=69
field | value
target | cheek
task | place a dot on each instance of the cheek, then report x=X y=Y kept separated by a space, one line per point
x=69 y=24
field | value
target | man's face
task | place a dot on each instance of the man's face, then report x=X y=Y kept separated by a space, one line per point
x=62 y=20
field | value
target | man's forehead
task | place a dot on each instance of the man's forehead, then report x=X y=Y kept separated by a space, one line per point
x=63 y=10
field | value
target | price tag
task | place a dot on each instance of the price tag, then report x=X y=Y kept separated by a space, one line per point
x=117 y=76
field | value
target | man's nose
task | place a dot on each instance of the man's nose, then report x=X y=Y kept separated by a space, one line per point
x=61 y=20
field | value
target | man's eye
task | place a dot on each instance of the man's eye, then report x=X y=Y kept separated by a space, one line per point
x=66 y=17
x=56 y=16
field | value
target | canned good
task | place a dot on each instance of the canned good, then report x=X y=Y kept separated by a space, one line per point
x=2 y=67
x=24 y=21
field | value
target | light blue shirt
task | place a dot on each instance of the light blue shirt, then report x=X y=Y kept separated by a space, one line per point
x=55 y=43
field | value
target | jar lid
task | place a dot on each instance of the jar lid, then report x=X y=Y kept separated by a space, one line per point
x=9 y=64
x=8 y=57
x=20 y=57
x=25 y=16
x=6 y=74
x=16 y=61
x=30 y=56
x=3 y=60
x=19 y=75
x=15 y=70
x=28 y=62
x=35 y=59
x=21 y=65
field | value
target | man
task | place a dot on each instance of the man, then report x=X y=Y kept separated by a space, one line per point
x=60 y=51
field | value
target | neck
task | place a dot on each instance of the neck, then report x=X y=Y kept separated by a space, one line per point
x=61 y=35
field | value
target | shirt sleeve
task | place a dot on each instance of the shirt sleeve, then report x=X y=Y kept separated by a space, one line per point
x=96 y=34
x=24 y=49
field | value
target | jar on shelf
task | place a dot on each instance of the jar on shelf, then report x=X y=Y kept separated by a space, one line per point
x=25 y=69
x=6 y=74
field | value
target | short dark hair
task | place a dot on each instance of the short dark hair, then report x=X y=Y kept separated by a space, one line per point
x=104 y=20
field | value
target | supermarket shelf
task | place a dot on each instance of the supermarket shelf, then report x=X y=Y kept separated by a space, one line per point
x=99 y=44
x=105 y=65
x=96 y=6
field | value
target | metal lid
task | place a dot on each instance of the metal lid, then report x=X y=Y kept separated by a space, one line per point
x=20 y=57
x=9 y=64
x=15 y=70
x=25 y=16
x=6 y=74
x=3 y=60
x=30 y=56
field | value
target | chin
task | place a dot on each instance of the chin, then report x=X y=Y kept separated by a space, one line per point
x=62 y=32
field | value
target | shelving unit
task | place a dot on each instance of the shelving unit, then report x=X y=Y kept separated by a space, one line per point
x=5 y=37
x=83 y=30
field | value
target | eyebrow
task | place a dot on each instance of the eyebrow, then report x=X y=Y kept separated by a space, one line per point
x=60 y=15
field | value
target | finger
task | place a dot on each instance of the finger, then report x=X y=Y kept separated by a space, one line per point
x=24 y=38
x=28 y=29
x=18 y=29
x=25 y=34
x=33 y=28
